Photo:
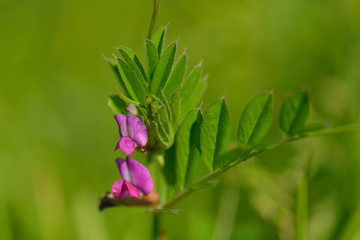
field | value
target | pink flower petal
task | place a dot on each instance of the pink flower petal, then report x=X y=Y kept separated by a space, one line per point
x=121 y=121
x=132 y=109
x=126 y=144
x=121 y=188
x=137 y=130
x=136 y=173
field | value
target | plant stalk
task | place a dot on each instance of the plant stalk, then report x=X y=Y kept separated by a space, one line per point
x=186 y=191
x=153 y=18
x=156 y=226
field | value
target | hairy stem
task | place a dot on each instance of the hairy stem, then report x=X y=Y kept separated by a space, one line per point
x=212 y=175
x=153 y=18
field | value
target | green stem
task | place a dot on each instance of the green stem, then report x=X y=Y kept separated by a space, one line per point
x=156 y=226
x=185 y=192
x=153 y=18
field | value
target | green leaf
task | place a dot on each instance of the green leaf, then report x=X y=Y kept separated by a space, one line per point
x=351 y=230
x=191 y=82
x=128 y=100
x=161 y=120
x=294 y=113
x=130 y=53
x=152 y=103
x=163 y=136
x=129 y=61
x=116 y=104
x=229 y=157
x=159 y=39
x=175 y=109
x=195 y=98
x=187 y=144
x=114 y=67
x=152 y=57
x=161 y=109
x=163 y=69
x=195 y=151
x=176 y=77
x=215 y=132
x=135 y=86
x=170 y=166
x=166 y=104
x=255 y=120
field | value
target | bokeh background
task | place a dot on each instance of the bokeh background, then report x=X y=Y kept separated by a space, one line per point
x=57 y=133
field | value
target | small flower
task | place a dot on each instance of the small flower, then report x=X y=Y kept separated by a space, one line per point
x=132 y=131
x=137 y=179
x=121 y=188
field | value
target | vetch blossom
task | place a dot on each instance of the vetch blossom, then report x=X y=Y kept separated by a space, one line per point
x=132 y=131
x=121 y=188
x=137 y=179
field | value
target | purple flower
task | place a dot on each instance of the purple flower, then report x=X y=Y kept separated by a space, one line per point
x=121 y=188
x=132 y=132
x=137 y=179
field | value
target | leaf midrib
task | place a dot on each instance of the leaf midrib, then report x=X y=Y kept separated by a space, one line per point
x=257 y=121
x=301 y=105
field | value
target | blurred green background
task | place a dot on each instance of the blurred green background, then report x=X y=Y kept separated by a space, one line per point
x=57 y=134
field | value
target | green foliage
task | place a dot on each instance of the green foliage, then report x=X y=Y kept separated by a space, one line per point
x=187 y=145
x=52 y=74
x=215 y=132
x=167 y=97
x=159 y=91
x=351 y=229
x=134 y=85
x=131 y=58
x=196 y=96
x=116 y=104
x=163 y=69
x=159 y=39
x=163 y=81
x=175 y=109
x=128 y=100
x=152 y=57
x=294 y=114
x=190 y=82
x=255 y=120
x=115 y=69
x=166 y=105
x=158 y=111
x=170 y=166
x=192 y=90
x=176 y=77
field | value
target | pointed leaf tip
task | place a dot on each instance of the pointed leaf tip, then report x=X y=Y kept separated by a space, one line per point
x=294 y=113
x=255 y=120
x=215 y=132
x=163 y=69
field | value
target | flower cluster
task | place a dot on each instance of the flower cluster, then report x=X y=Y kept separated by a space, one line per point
x=136 y=177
